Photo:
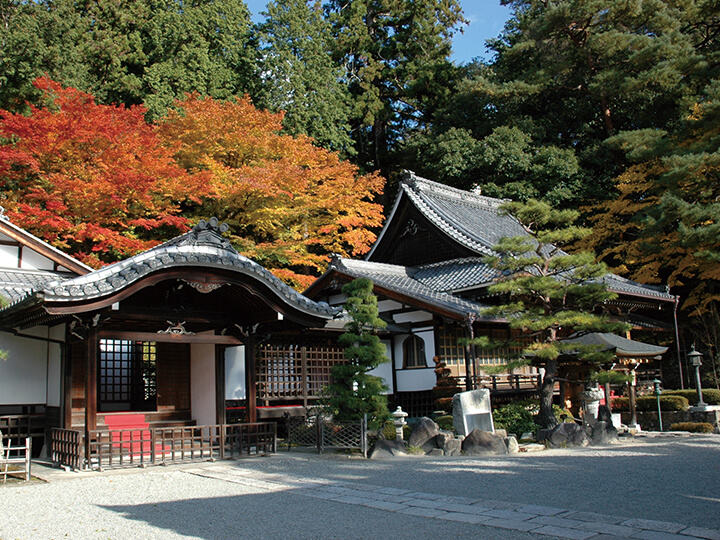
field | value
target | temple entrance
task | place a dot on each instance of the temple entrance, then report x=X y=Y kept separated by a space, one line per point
x=127 y=375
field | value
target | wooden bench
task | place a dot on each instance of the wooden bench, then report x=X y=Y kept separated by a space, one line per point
x=15 y=455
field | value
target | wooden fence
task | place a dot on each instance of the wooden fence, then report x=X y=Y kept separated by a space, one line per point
x=117 y=448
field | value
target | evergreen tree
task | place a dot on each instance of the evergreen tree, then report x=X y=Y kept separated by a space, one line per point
x=354 y=392
x=147 y=52
x=549 y=293
x=299 y=75
x=396 y=60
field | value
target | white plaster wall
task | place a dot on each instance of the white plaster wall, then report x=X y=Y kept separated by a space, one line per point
x=235 y=372
x=409 y=380
x=202 y=383
x=384 y=371
x=412 y=316
x=32 y=260
x=54 y=367
x=23 y=376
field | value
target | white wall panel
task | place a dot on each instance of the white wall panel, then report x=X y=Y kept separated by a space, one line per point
x=202 y=383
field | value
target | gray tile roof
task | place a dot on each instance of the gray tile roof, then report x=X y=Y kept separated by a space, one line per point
x=622 y=285
x=16 y=284
x=402 y=280
x=476 y=222
x=201 y=247
x=471 y=219
x=621 y=346
x=456 y=274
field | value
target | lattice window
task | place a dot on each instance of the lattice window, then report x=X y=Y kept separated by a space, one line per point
x=127 y=371
x=451 y=352
x=414 y=353
x=320 y=362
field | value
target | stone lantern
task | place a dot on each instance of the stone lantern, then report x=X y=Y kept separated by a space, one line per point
x=399 y=421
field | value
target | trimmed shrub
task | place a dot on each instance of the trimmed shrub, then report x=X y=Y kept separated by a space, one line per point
x=621 y=404
x=514 y=418
x=711 y=396
x=444 y=404
x=667 y=403
x=692 y=427
x=445 y=422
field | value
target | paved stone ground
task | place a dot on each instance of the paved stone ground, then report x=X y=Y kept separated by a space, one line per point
x=651 y=488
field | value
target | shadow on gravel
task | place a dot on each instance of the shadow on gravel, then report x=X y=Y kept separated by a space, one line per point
x=280 y=515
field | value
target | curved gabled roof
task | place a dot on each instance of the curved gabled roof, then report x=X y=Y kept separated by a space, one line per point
x=203 y=248
x=470 y=219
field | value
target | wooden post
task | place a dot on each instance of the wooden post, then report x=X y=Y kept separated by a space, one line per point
x=303 y=374
x=250 y=379
x=67 y=363
x=220 y=409
x=91 y=385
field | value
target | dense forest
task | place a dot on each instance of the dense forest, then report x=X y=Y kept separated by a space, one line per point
x=609 y=107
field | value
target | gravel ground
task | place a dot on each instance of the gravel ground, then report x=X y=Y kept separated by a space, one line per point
x=674 y=479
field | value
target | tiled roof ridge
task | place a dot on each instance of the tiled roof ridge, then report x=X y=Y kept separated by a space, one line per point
x=426 y=195
x=450 y=262
x=369 y=266
x=201 y=247
x=468 y=197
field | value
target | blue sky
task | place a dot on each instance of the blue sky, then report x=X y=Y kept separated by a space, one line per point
x=486 y=18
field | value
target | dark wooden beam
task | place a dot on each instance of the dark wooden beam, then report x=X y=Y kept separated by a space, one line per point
x=169 y=338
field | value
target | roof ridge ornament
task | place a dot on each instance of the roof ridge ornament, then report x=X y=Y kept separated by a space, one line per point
x=206 y=232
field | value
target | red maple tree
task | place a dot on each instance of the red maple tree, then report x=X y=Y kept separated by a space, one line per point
x=93 y=180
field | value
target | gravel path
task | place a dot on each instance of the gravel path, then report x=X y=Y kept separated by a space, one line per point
x=291 y=495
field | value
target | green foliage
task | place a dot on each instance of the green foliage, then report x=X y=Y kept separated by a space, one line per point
x=299 y=76
x=396 y=59
x=445 y=422
x=138 y=51
x=354 y=392
x=547 y=292
x=692 y=427
x=515 y=418
x=711 y=396
x=649 y=403
x=610 y=377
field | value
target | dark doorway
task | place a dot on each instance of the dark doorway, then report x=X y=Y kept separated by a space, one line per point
x=127 y=375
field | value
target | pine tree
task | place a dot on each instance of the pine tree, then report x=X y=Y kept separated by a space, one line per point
x=549 y=294
x=354 y=392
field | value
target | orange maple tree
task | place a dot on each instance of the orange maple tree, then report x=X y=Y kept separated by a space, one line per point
x=93 y=180
x=289 y=203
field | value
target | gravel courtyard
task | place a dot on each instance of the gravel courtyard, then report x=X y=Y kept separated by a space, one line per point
x=650 y=487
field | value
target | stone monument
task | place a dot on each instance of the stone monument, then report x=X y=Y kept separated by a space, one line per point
x=471 y=410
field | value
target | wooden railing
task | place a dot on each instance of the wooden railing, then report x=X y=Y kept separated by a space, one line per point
x=66 y=447
x=115 y=448
x=503 y=383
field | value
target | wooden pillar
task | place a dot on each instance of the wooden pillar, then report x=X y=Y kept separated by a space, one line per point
x=67 y=365
x=250 y=379
x=220 y=384
x=91 y=385
x=304 y=375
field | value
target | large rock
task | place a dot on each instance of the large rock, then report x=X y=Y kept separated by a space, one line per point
x=384 y=449
x=568 y=434
x=512 y=445
x=452 y=447
x=472 y=410
x=482 y=443
x=423 y=434
x=604 y=433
